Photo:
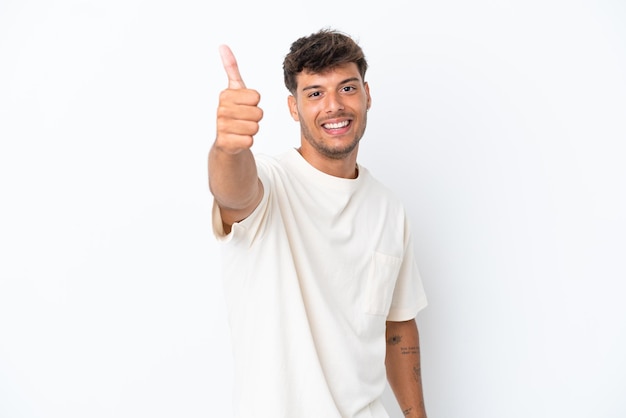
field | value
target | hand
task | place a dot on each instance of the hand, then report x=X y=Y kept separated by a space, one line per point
x=238 y=114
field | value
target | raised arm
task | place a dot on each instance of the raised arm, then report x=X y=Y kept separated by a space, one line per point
x=404 y=367
x=233 y=178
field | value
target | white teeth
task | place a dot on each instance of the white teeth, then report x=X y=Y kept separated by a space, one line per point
x=336 y=125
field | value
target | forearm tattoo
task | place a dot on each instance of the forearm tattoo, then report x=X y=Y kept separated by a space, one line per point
x=415 y=349
x=417 y=373
x=394 y=339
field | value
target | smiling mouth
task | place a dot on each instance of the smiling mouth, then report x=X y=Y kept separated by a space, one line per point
x=337 y=125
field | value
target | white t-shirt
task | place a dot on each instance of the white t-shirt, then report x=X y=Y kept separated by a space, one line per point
x=310 y=278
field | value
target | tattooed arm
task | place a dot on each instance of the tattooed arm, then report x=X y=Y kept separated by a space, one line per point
x=403 y=367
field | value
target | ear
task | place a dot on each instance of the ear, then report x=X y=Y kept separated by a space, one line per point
x=369 y=98
x=293 y=107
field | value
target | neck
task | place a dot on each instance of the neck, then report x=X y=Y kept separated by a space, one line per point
x=345 y=167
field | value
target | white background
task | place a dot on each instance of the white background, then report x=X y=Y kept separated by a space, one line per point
x=500 y=124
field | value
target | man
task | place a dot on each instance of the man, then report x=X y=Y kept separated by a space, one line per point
x=320 y=278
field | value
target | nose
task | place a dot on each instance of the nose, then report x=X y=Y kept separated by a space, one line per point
x=333 y=103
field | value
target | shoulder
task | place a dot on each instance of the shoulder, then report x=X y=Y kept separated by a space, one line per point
x=272 y=163
x=377 y=188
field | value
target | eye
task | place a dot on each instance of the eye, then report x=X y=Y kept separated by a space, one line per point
x=348 y=89
x=315 y=94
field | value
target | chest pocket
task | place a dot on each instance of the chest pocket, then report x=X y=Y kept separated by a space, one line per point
x=381 y=280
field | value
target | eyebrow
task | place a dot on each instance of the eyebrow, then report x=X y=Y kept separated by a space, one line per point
x=317 y=86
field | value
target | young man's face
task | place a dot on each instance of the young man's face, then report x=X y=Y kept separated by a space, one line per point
x=332 y=110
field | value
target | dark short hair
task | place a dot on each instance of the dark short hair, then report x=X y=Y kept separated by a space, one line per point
x=321 y=51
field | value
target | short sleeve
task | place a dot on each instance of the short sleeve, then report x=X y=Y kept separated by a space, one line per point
x=409 y=296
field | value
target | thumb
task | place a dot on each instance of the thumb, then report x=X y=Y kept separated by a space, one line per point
x=231 y=67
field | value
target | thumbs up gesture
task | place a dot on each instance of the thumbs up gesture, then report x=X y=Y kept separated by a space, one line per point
x=238 y=113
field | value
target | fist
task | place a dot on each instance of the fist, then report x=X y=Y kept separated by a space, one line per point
x=238 y=113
